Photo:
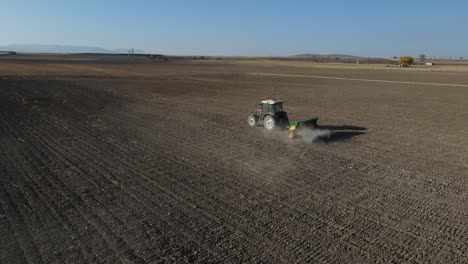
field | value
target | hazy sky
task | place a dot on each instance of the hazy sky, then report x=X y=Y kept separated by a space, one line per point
x=237 y=27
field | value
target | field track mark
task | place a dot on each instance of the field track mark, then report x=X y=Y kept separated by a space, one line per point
x=79 y=156
x=34 y=191
x=28 y=247
x=354 y=79
x=33 y=183
x=85 y=134
x=115 y=242
x=9 y=246
x=19 y=223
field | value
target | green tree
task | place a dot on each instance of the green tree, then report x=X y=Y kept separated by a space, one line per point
x=406 y=61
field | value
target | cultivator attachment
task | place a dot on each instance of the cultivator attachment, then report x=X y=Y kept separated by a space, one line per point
x=308 y=123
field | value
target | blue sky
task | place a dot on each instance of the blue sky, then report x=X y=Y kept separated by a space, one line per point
x=237 y=27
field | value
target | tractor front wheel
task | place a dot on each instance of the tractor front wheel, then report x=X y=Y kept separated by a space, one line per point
x=251 y=120
x=269 y=123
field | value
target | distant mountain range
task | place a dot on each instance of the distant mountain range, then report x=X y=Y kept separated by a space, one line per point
x=41 y=48
x=340 y=56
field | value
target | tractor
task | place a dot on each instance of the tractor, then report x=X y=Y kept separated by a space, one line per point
x=270 y=114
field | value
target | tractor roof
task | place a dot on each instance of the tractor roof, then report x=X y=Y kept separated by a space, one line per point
x=271 y=101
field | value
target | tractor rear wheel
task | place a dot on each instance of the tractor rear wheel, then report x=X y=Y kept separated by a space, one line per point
x=251 y=120
x=269 y=123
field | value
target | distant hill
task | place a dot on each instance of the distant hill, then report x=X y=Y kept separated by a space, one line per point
x=306 y=55
x=339 y=56
x=41 y=48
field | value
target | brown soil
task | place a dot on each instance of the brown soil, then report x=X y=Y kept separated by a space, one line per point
x=154 y=162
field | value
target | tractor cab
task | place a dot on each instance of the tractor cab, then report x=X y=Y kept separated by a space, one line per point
x=270 y=106
x=269 y=113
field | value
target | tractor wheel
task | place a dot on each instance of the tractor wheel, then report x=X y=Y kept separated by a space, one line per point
x=269 y=123
x=252 y=121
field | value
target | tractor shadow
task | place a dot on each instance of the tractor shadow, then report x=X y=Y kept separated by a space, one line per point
x=336 y=136
x=331 y=134
x=345 y=127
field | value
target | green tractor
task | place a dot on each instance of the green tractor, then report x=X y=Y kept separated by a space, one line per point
x=270 y=115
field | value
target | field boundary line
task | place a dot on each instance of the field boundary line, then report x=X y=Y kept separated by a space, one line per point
x=354 y=79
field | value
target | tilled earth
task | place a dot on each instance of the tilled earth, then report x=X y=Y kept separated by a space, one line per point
x=154 y=162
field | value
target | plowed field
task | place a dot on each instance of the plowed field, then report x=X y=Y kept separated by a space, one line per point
x=146 y=161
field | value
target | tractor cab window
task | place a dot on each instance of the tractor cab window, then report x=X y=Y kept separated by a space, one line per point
x=277 y=108
x=265 y=108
